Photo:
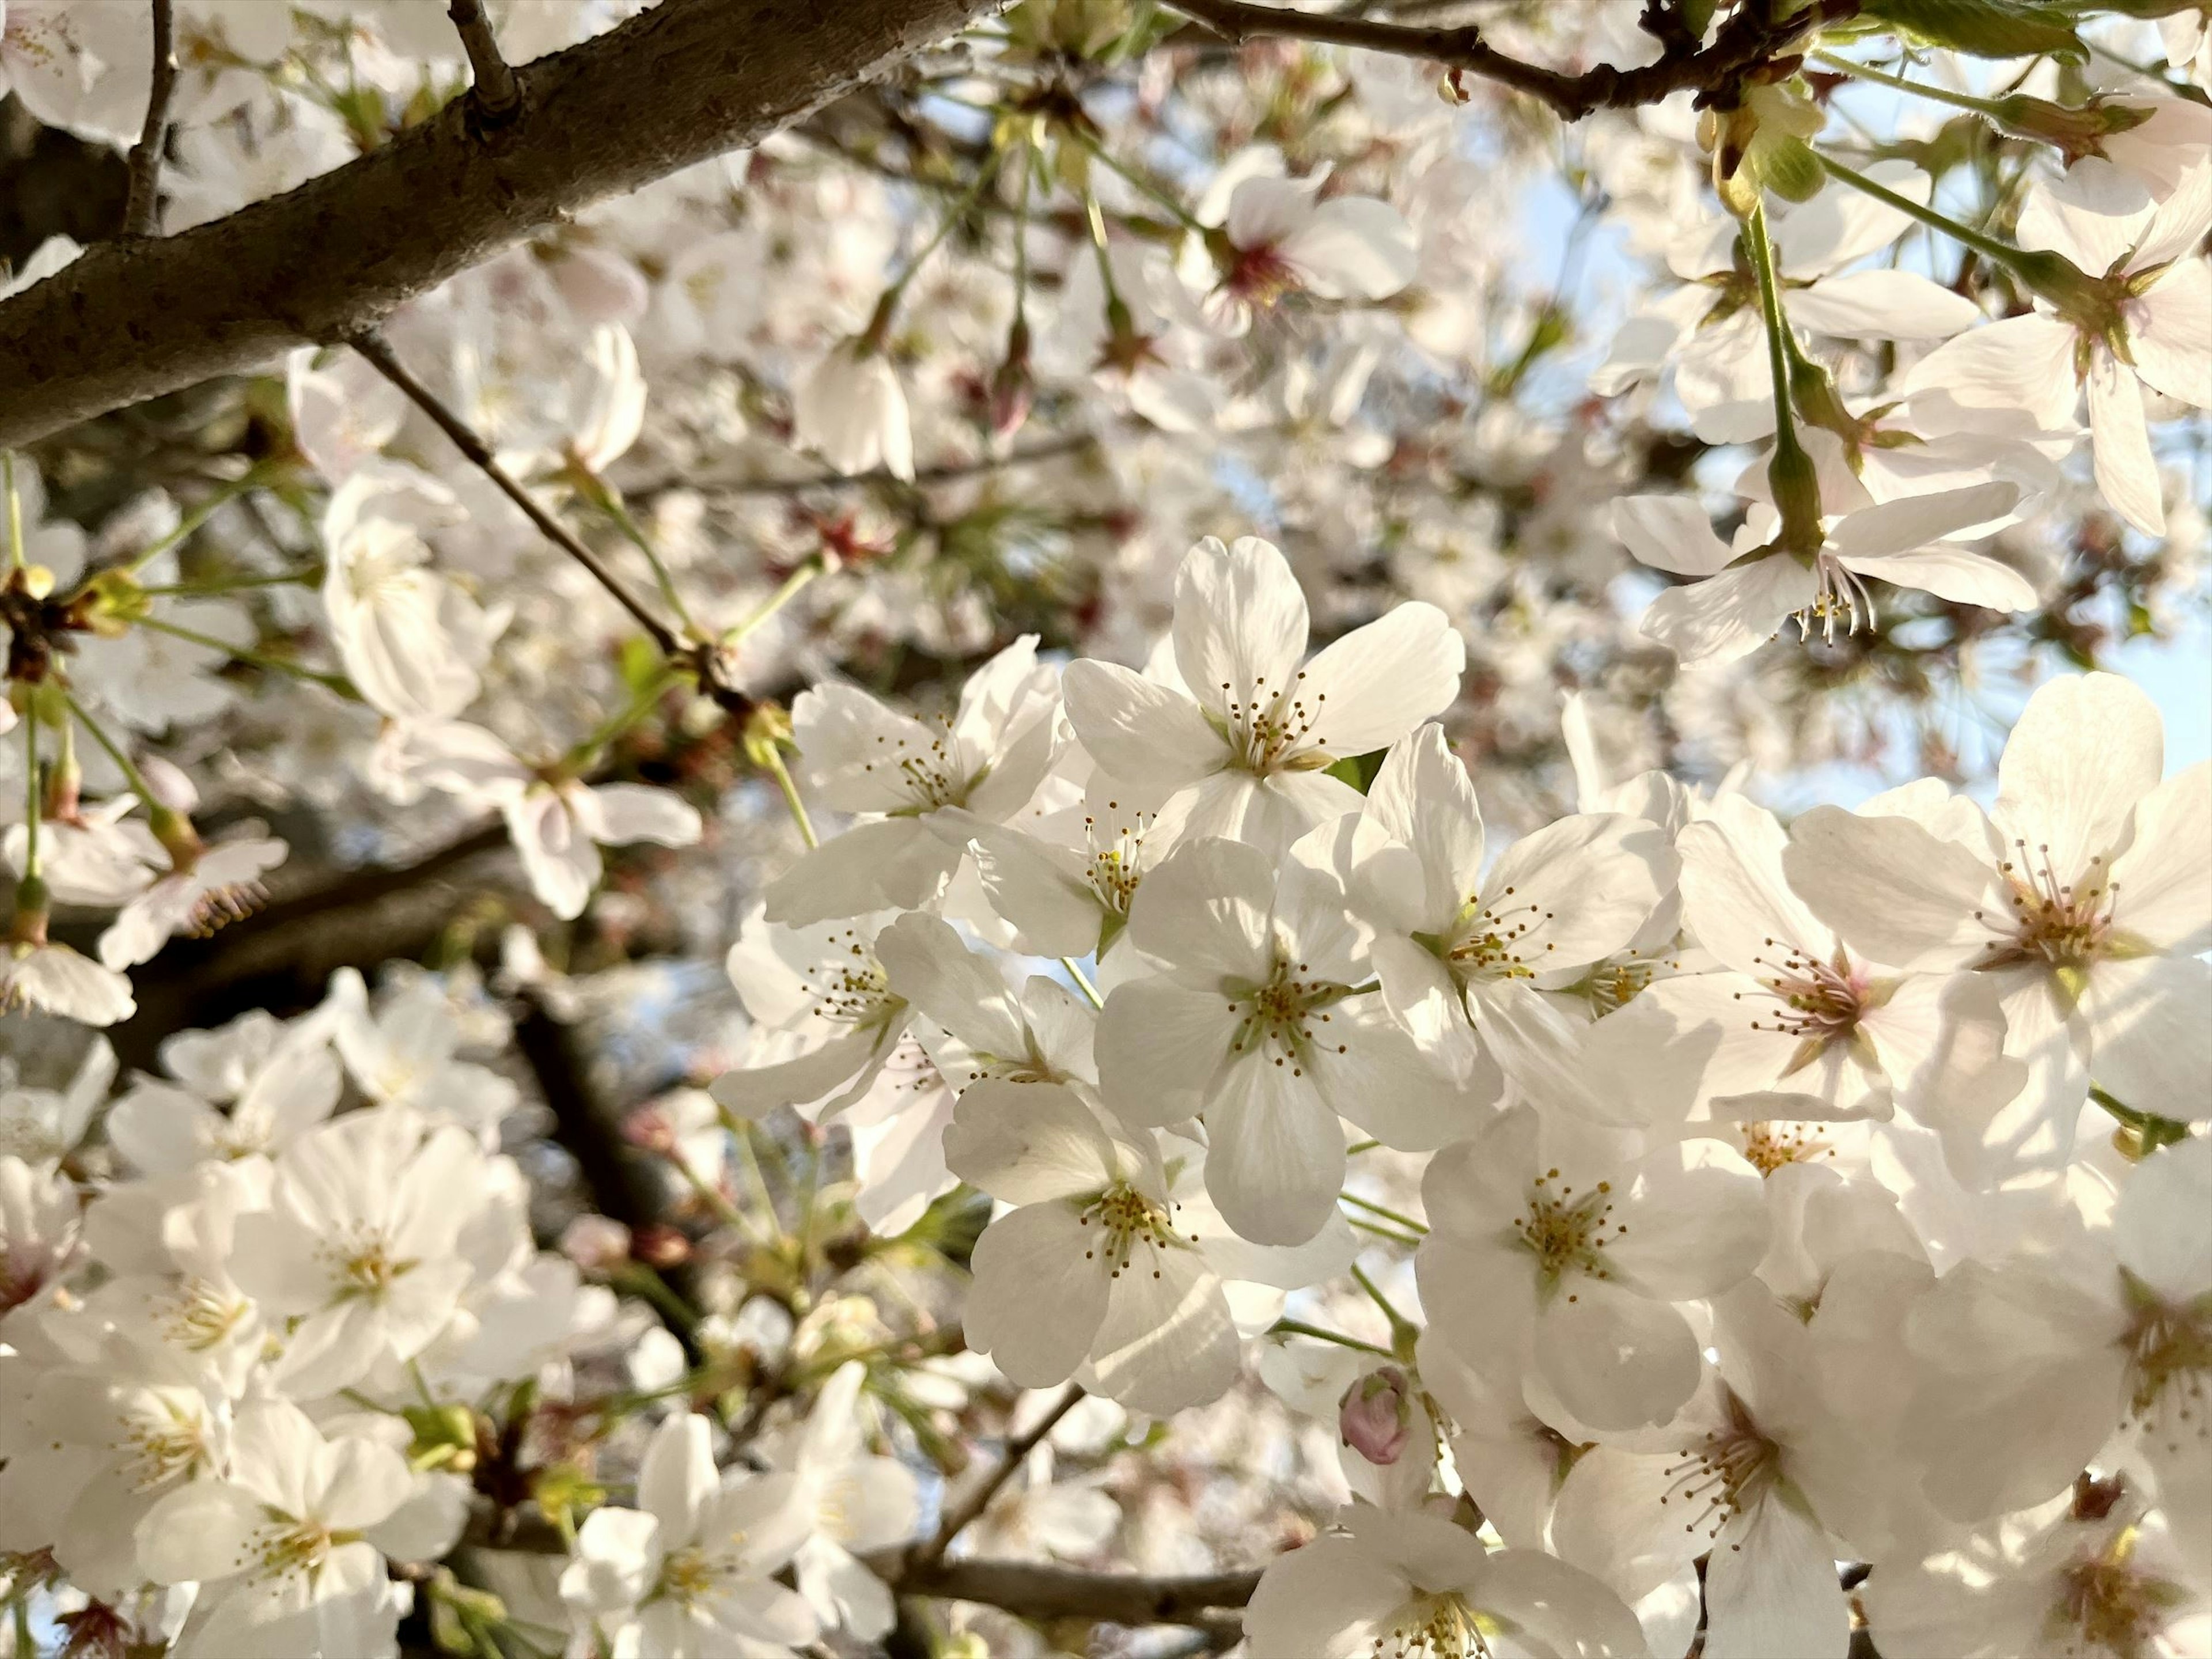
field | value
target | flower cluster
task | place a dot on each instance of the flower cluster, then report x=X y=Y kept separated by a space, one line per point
x=696 y=960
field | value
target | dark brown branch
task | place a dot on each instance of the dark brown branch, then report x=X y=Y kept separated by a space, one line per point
x=963 y=1514
x=1748 y=40
x=1040 y=1592
x=679 y=82
x=378 y=351
x=498 y=95
x=142 y=208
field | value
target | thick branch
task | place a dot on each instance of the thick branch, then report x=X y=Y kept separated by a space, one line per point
x=1041 y=1592
x=498 y=95
x=141 y=209
x=963 y=1514
x=687 y=79
x=1748 y=40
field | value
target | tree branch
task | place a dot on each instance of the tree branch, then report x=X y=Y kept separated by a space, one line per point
x=143 y=207
x=679 y=82
x=377 y=351
x=963 y=1514
x=1035 y=1591
x=1749 y=38
x=497 y=93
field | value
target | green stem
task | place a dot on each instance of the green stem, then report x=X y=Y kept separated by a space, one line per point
x=1403 y=1332
x=337 y=683
x=1299 y=1328
x=611 y=504
x=1402 y=1240
x=219 y=586
x=647 y=1283
x=1779 y=342
x=782 y=774
x=1143 y=187
x=32 y=804
x=2052 y=276
x=14 y=511
x=880 y=321
x=1373 y=1208
x=664 y=679
x=792 y=586
x=192 y=521
x=2154 y=1130
x=132 y=777
x=1083 y=981
x=1919 y=88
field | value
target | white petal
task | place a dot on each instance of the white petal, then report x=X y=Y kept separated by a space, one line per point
x=2086 y=748
x=1366 y=690
x=2127 y=471
x=1894 y=892
x=1731 y=614
x=893 y=864
x=1239 y=628
x=1138 y=728
x=1161 y=1045
x=1275 y=1157
x=1025 y=1143
x=1206 y=908
x=1616 y=1359
x=1037 y=1300
x=1167 y=1341
x=2162 y=884
x=1671 y=533
x=1353 y=247
x=2170 y=333
x=2025 y=363
x=1771 y=1589
x=1883 y=305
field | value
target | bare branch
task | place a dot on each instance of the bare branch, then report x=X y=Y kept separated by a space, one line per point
x=963 y=1514
x=1749 y=39
x=377 y=351
x=142 y=208
x=498 y=95
x=679 y=82
x=1040 y=1592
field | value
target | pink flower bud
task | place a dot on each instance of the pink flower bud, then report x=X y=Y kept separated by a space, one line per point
x=1375 y=1415
x=596 y=1243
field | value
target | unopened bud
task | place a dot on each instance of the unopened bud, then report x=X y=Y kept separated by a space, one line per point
x=1013 y=388
x=648 y=1129
x=179 y=839
x=659 y=1246
x=596 y=1243
x=766 y=727
x=1376 y=1416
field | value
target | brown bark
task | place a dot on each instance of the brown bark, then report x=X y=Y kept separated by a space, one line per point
x=688 y=80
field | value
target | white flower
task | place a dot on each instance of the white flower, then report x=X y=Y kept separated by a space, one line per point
x=1797 y=1026
x=825 y=1019
x=1283 y=238
x=2084 y=897
x=410 y=641
x=1393 y=1581
x=1089 y=1273
x=282 y=1545
x=1563 y=1249
x=1744 y=592
x=217 y=883
x=851 y=411
x=43 y=1126
x=1263 y=1024
x=1459 y=951
x=2141 y=324
x=55 y=980
x=403 y=1055
x=40 y=1213
x=2086 y=1346
x=686 y=1575
x=931 y=789
x=862 y=1501
x=278 y=1081
x=557 y=824
x=1246 y=746
x=360 y=1242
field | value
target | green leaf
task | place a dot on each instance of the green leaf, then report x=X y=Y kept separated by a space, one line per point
x=1984 y=28
x=1358 y=770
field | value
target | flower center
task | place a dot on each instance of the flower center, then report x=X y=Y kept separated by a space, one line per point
x=200 y=1316
x=1270 y=730
x=2107 y=1605
x=1838 y=596
x=1770 y=1146
x=688 y=1575
x=1816 y=1002
x=1116 y=861
x=1261 y=275
x=1127 y=1221
x=1282 y=1014
x=2052 y=922
x=2169 y=1366
x=161 y=1441
x=1567 y=1234
x=363 y=1266
x=1723 y=1475
x=930 y=777
x=290 y=1544
x=850 y=985
x=1440 y=1626
x=1491 y=941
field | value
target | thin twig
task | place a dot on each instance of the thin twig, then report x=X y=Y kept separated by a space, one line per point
x=1074 y=443
x=377 y=351
x=498 y=95
x=962 y=1515
x=142 y=208
x=1749 y=39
